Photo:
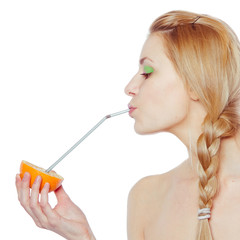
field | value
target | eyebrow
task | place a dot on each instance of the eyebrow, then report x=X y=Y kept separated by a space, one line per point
x=142 y=60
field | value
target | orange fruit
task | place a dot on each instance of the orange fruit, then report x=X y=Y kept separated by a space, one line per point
x=51 y=177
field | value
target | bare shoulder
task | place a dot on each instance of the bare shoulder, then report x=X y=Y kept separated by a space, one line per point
x=146 y=197
x=155 y=185
x=142 y=195
x=145 y=187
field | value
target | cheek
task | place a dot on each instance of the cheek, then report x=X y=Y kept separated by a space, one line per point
x=176 y=101
x=160 y=96
x=175 y=95
x=164 y=106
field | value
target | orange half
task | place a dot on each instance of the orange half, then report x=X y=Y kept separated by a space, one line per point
x=52 y=177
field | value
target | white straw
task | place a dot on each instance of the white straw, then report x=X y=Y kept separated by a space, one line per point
x=85 y=136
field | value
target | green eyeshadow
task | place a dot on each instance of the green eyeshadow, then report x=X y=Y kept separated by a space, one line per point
x=148 y=69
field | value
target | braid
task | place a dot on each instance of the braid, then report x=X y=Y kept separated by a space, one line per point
x=207 y=149
x=208 y=146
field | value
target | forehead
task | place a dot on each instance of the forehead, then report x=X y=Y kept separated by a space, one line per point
x=153 y=48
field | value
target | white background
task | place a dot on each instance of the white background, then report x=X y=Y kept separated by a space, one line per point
x=64 y=66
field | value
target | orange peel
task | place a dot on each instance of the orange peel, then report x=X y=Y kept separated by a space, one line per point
x=54 y=179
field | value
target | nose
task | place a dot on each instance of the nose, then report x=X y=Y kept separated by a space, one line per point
x=132 y=87
x=130 y=91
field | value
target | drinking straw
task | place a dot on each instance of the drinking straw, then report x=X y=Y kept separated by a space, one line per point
x=84 y=137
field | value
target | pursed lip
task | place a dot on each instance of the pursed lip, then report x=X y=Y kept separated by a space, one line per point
x=131 y=108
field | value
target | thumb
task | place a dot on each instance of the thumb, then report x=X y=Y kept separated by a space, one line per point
x=61 y=195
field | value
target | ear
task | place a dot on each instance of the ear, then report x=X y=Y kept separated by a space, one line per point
x=192 y=94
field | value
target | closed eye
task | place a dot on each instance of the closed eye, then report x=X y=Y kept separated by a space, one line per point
x=146 y=75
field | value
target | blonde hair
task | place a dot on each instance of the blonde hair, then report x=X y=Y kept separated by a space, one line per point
x=206 y=54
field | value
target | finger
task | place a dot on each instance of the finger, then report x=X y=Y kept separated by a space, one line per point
x=24 y=190
x=34 y=203
x=51 y=215
x=18 y=184
x=35 y=190
x=24 y=195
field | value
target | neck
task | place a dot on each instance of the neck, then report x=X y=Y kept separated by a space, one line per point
x=229 y=159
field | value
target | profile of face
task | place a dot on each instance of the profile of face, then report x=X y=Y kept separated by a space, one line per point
x=160 y=98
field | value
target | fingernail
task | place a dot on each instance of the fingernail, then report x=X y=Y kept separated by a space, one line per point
x=46 y=186
x=38 y=179
x=25 y=177
x=17 y=177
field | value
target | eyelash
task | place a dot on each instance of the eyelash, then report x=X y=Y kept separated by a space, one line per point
x=146 y=75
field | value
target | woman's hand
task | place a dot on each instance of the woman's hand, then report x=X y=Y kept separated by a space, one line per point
x=65 y=219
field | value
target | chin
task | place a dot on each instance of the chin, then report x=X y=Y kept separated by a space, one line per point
x=141 y=130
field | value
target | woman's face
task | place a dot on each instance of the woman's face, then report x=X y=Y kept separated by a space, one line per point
x=160 y=99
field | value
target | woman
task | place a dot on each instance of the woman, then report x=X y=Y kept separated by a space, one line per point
x=188 y=84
